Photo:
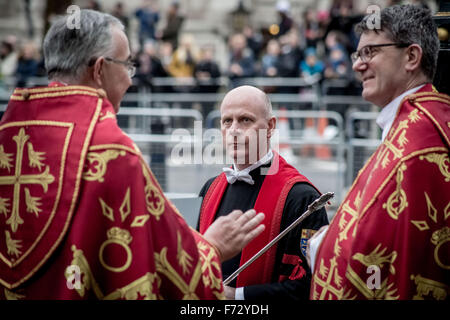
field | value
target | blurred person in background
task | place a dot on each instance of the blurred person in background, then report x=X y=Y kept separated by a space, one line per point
x=312 y=64
x=148 y=17
x=270 y=60
x=119 y=12
x=207 y=75
x=149 y=65
x=184 y=58
x=337 y=62
x=174 y=22
x=283 y=8
x=27 y=63
x=242 y=61
x=8 y=57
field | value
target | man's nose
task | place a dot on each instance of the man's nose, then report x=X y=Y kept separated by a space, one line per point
x=234 y=128
x=358 y=65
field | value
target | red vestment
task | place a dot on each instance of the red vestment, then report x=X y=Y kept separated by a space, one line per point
x=81 y=214
x=271 y=199
x=390 y=238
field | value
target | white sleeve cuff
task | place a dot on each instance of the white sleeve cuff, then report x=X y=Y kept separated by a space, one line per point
x=314 y=246
x=239 y=294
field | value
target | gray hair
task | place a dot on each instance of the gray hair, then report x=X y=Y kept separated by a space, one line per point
x=409 y=24
x=67 y=51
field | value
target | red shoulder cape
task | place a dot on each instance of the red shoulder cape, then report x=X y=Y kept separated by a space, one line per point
x=271 y=199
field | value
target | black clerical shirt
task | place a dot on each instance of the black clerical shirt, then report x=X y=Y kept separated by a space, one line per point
x=242 y=196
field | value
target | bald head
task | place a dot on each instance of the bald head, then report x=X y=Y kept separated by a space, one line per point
x=247 y=124
x=247 y=96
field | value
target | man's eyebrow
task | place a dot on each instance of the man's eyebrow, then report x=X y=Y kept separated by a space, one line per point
x=246 y=114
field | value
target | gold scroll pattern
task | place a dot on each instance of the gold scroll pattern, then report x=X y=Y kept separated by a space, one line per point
x=397 y=201
x=97 y=163
x=443 y=162
x=153 y=198
x=18 y=179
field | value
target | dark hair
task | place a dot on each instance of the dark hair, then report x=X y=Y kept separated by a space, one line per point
x=409 y=24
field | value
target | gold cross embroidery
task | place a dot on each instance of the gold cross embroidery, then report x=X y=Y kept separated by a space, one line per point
x=390 y=147
x=344 y=225
x=207 y=254
x=18 y=179
x=330 y=274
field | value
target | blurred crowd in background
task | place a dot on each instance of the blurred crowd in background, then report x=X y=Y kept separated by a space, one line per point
x=315 y=42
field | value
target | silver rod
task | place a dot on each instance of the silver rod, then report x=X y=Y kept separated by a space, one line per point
x=313 y=207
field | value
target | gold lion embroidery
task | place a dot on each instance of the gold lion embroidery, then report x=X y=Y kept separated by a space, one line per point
x=378 y=258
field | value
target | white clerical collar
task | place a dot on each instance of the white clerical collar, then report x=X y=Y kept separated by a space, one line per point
x=234 y=174
x=387 y=114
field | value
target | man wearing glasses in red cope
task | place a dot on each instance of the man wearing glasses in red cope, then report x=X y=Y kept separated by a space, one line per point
x=390 y=236
x=81 y=214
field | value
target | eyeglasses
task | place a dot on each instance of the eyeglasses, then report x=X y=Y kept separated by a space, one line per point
x=127 y=63
x=366 y=53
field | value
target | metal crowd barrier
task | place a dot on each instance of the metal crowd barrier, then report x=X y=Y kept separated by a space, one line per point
x=150 y=118
x=363 y=139
x=328 y=173
x=140 y=120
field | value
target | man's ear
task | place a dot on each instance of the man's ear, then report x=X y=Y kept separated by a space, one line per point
x=414 y=57
x=272 y=126
x=98 y=71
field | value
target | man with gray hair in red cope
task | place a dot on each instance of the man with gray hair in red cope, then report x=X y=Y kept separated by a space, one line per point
x=82 y=216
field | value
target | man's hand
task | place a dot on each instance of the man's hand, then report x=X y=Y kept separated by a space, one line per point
x=230 y=292
x=231 y=233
